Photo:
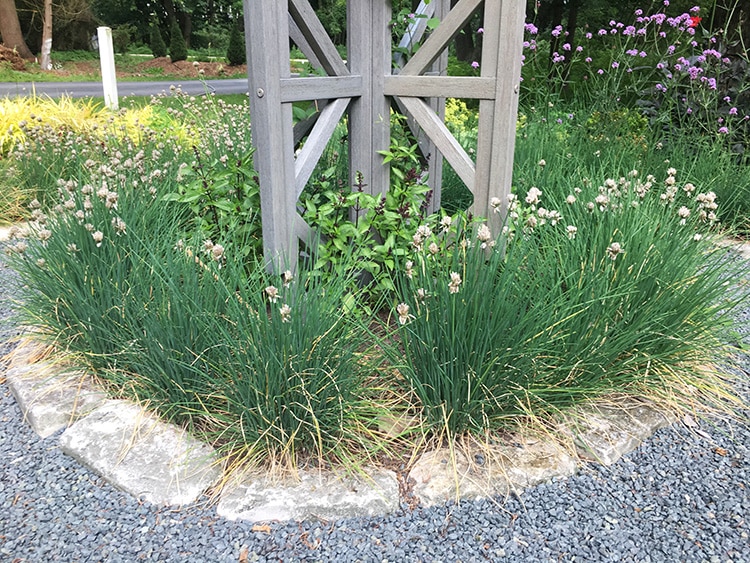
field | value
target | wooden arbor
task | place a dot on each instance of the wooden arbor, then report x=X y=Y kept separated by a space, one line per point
x=365 y=85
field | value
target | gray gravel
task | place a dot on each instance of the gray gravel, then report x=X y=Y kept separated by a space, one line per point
x=676 y=498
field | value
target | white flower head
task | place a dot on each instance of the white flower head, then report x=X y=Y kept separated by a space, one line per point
x=288 y=278
x=403 y=313
x=614 y=249
x=286 y=313
x=98 y=237
x=272 y=293
x=217 y=252
x=409 y=269
x=483 y=233
x=455 y=282
x=446 y=222
x=533 y=195
x=571 y=230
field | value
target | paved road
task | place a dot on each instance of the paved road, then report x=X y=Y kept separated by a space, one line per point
x=94 y=89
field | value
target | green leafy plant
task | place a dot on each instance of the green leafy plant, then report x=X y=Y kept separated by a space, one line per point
x=618 y=291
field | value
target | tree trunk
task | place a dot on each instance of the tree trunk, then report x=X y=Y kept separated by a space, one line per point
x=10 y=29
x=45 y=59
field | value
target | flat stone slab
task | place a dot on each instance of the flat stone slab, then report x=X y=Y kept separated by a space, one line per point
x=442 y=475
x=137 y=453
x=49 y=397
x=604 y=433
x=315 y=495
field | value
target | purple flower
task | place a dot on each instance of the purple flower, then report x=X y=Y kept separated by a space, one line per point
x=630 y=30
x=712 y=83
x=588 y=35
x=723 y=131
x=615 y=64
x=579 y=49
x=531 y=28
x=727 y=99
x=670 y=50
x=643 y=54
x=557 y=31
x=474 y=64
x=695 y=9
x=689 y=111
x=602 y=32
x=588 y=59
x=732 y=111
x=480 y=30
x=600 y=71
x=660 y=88
x=639 y=12
x=666 y=2
x=632 y=52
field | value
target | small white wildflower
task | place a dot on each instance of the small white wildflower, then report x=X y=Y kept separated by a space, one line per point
x=217 y=252
x=44 y=235
x=554 y=217
x=272 y=293
x=208 y=246
x=689 y=188
x=34 y=204
x=570 y=200
x=72 y=247
x=670 y=181
x=532 y=197
x=614 y=249
x=421 y=294
x=496 y=204
x=602 y=200
x=80 y=215
x=684 y=213
x=454 y=283
x=286 y=313
x=409 y=269
x=483 y=233
x=119 y=225
x=671 y=172
x=532 y=221
x=403 y=313
x=446 y=222
x=542 y=163
x=89 y=227
x=572 y=230
x=433 y=248
x=697 y=237
x=287 y=277
x=98 y=237
x=41 y=263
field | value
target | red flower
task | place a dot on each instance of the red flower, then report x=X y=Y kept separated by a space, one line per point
x=694 y=21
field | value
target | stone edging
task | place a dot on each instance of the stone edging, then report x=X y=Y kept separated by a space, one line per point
x=160 y=463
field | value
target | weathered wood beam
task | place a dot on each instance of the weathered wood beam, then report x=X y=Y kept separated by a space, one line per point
x=268 y=62
x=317 y=87
x=316 y=143
x=440 y=37
x=443 y=139
x=440 y=87
x=317 y=37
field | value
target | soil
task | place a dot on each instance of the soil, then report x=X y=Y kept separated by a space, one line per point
x=10 y=56
x=161 y=68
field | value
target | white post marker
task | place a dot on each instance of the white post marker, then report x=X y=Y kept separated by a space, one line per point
x=107 y=58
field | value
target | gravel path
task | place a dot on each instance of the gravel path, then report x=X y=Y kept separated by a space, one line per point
x=682 y=496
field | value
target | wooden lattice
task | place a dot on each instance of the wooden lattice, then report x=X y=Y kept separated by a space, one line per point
x=365 y=86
